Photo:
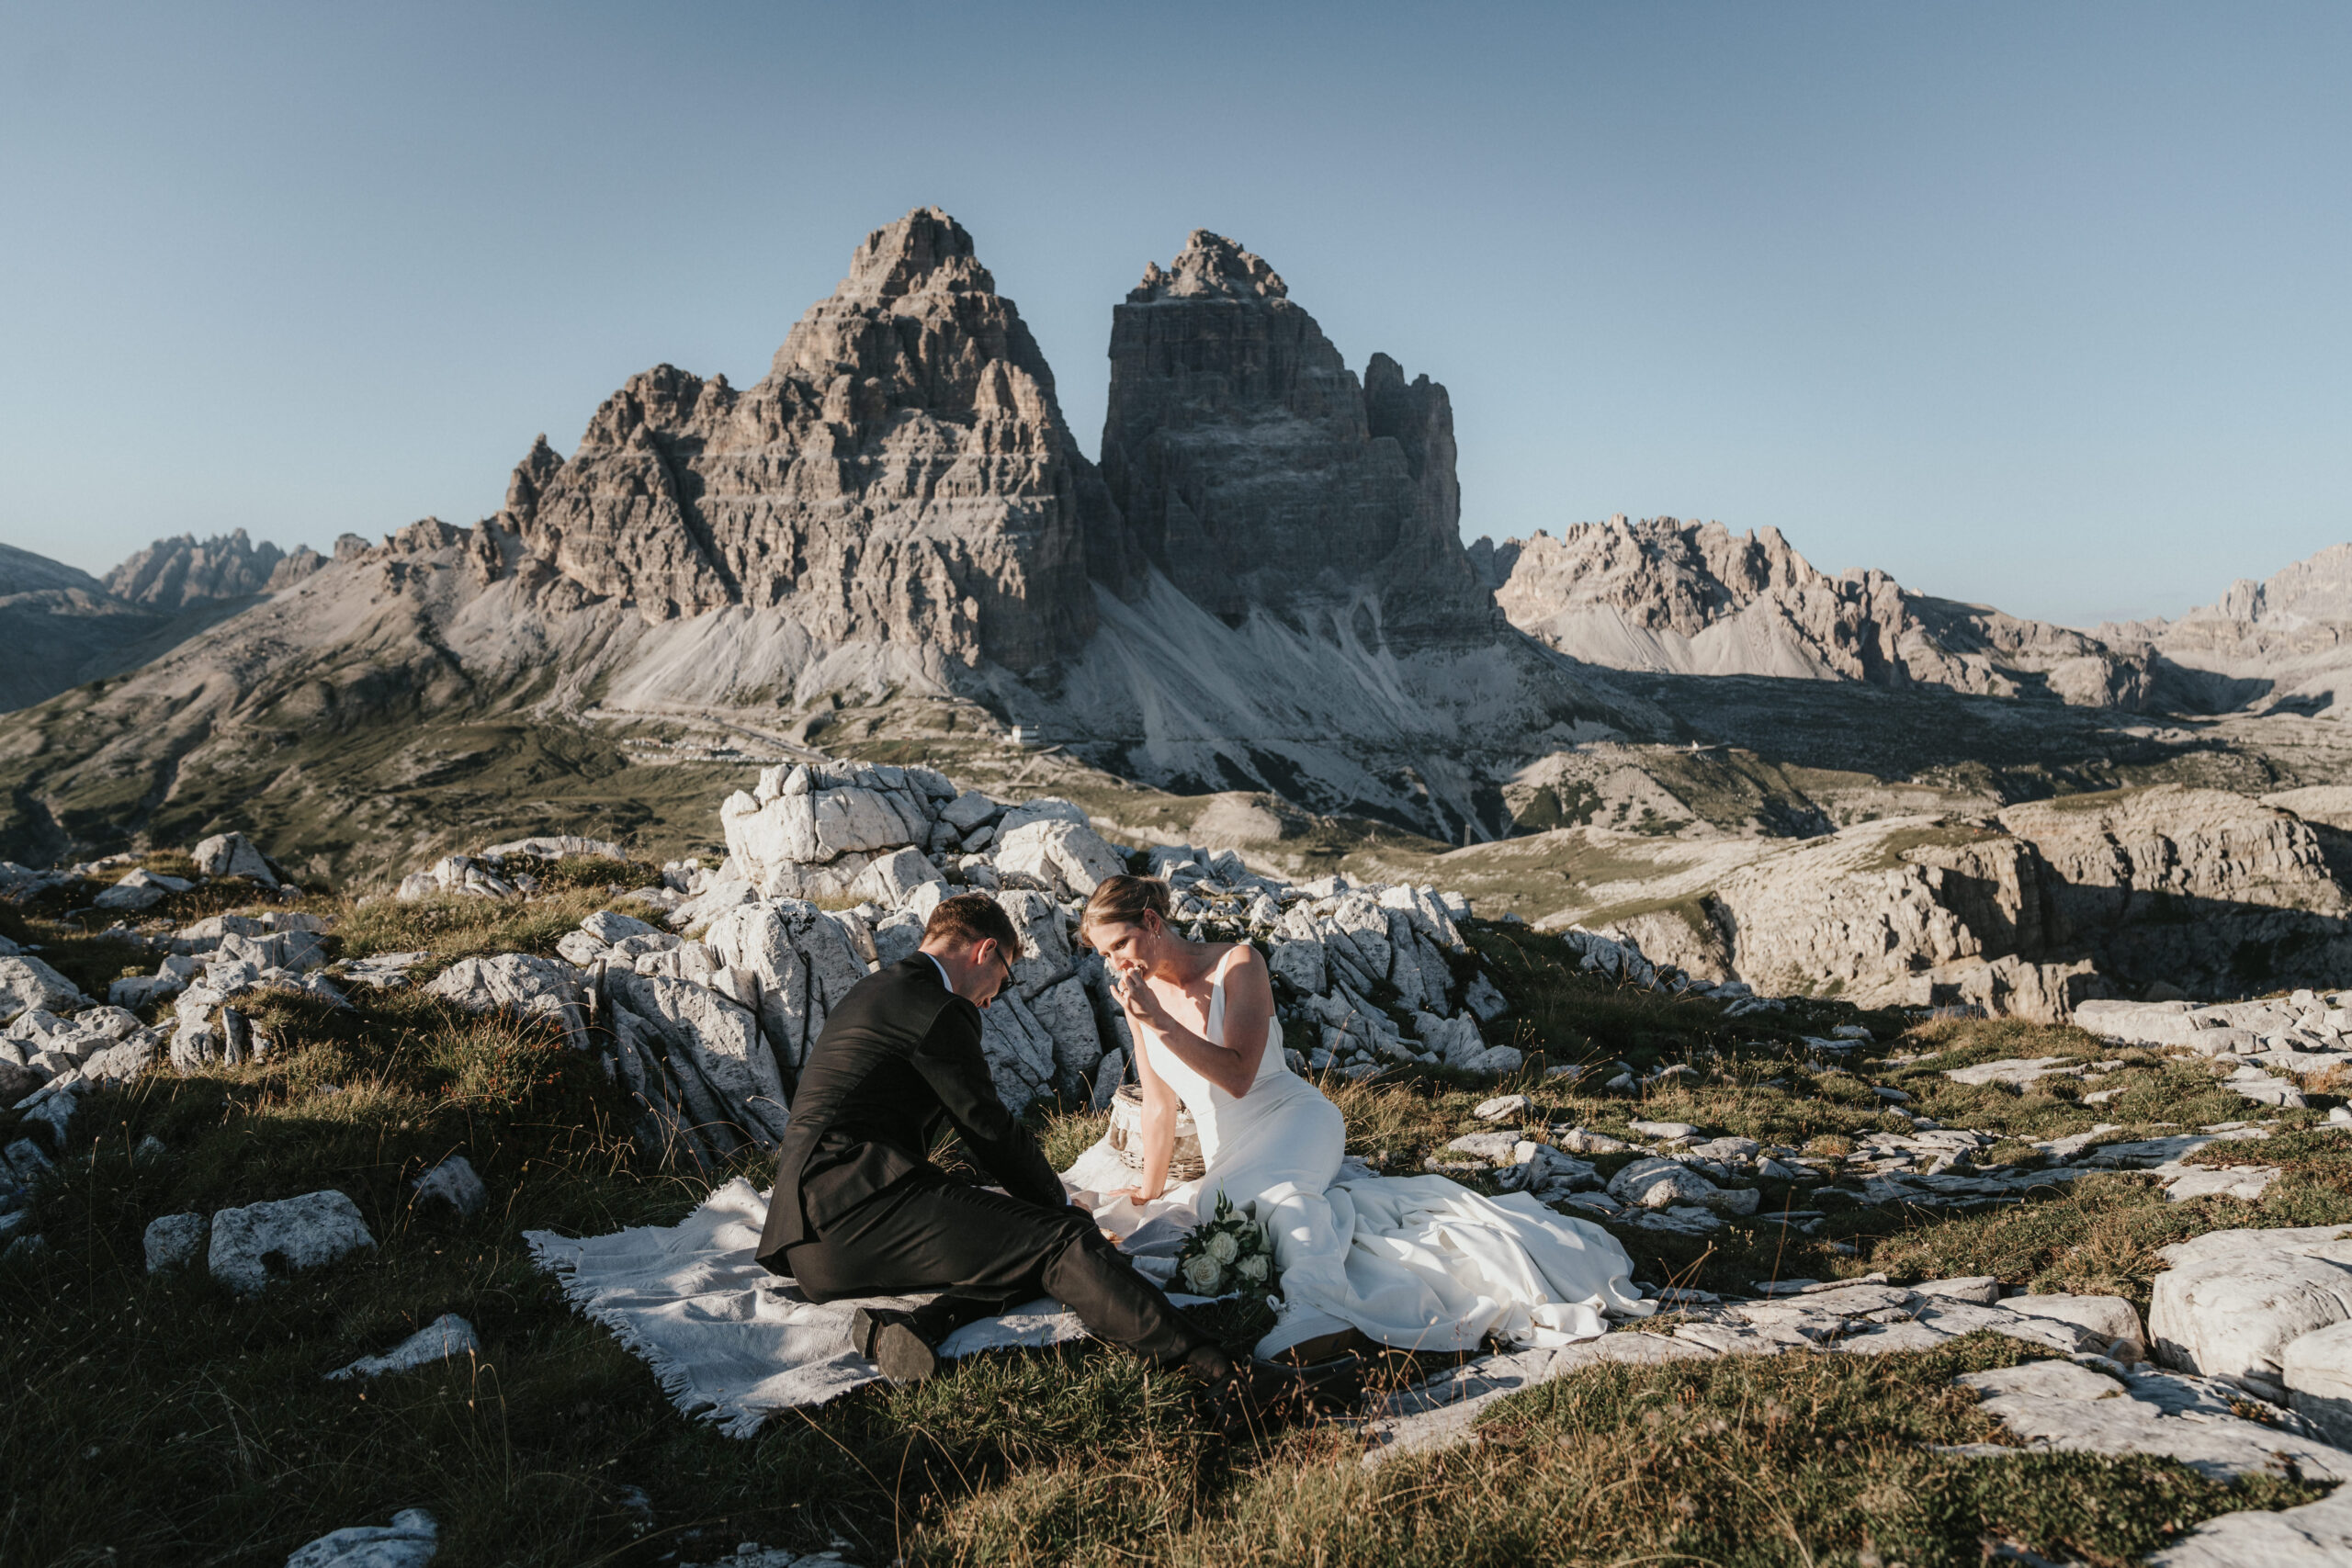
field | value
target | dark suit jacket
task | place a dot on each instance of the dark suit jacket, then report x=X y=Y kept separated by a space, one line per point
x=899 y=1058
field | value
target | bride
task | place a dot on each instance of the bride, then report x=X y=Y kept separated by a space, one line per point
x=1418 y=1261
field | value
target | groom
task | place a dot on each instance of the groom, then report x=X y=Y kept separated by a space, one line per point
x=859 y=1209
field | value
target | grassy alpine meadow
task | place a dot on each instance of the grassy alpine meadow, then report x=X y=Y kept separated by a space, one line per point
x=161 y=1419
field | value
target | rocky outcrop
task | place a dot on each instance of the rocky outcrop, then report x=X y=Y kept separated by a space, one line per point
x=1254 y=472
x=171 y=574
x=1698 y=599
x=2028 y=913
x=903 y=473
x=2283 y=644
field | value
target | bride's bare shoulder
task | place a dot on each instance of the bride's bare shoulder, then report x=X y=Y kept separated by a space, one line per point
x=1238 y=958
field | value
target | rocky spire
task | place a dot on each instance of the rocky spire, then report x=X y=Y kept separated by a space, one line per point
x=903 y=473
x=1250 y=467
x=171 y=573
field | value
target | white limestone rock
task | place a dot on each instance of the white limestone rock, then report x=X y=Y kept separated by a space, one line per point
x=1504 y=1107
x=2071 y=1408
x=1020 y=1053
x=1659 y=1183
x=2317 y=1535
x=232 y=855
x=968 y=811
x=1066 y=859
x=140 y=890
x=410 y=1540
x=446 y=1336
x=2231 y=1302
x=893 y=879
x=522 y=983
x=290 y=1234
x=1978 y=1289
x=1043 y=808
x=2018 y=1070
x=1300 y=963
x=579 y=949
x=1485 y=1002
x=2316 y=1369
x=172 y=1241
x=454 y=1181
x=2108 y=1317
x=1046 y=959
x=895 y=937
x=25 y=983
x=726 y=1070
x=1067 y=1019
x=609 y=927
x=556 y=846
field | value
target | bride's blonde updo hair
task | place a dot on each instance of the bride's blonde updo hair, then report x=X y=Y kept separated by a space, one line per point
x=1124 y=901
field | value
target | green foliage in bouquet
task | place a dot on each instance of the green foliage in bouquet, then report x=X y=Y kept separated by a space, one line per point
x=1228 y=1254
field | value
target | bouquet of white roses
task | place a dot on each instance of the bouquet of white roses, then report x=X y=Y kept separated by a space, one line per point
x=1229 y=1253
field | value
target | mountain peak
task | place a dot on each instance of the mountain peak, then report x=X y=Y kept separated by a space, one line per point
x=926 y=249
x=1209 y=266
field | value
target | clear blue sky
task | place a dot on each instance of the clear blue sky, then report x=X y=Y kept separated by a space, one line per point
x=2039 y=305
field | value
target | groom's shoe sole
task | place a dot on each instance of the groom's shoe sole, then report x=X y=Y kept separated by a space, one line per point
x=888 y=1339
x=903 y=1355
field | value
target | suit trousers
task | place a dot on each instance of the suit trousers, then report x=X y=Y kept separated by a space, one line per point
x=930 y=1233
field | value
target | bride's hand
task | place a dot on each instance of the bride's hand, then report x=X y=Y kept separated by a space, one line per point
x=1134 y=1195
x=1137 y=997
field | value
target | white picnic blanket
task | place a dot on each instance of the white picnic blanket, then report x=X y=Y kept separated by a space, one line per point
x=728 y=1340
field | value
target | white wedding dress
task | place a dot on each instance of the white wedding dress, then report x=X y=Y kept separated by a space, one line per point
x=1415 y=1261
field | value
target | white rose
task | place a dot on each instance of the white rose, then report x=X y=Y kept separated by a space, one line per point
x=1253 y=1268
x=1201 y=1272
x=1223 y=1247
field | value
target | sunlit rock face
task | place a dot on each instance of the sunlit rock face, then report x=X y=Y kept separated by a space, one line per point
x=1695 y=598
x=902 y=473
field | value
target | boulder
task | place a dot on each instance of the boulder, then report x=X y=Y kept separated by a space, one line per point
x=1043 y=808
x=409 y=1541
x=969 y=810
x=288 y=1236
x=1301 y=964
x=1655 y=1183
x=455 y=1182
x=1046 y=958
x=1485 y=1002
x=232 y=855
x=1066 y=859
x=893 y=879
x=142 y=889
x=2230 y=1307
x=172 y=1241
x=2317 y=1370
x=27 y=983
x=726 y=1068
x=1067 y=1019
x=1020 y=1053
x=519 y=982
x=609 y=927
x=557 y=846
x=2110 y=1318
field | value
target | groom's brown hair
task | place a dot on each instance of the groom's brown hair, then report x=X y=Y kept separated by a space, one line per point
x=973 y=916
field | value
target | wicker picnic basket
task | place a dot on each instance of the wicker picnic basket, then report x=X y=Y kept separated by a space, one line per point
x=1126 y=1136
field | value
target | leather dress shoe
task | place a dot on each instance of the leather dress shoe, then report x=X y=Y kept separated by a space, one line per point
x=889 y=1340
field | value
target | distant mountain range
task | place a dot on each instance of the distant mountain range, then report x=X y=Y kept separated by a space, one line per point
x=1261 y=587
x=1692 y=598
